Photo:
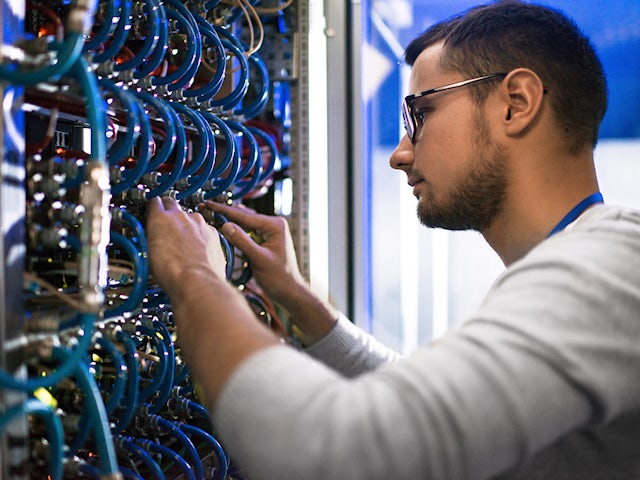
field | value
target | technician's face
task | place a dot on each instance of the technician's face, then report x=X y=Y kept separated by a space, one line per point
x=455 y=168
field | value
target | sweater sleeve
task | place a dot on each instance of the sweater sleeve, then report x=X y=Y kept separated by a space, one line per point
x=350 y=350
x=553 y=348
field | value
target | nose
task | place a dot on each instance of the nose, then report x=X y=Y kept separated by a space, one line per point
x=402 y=157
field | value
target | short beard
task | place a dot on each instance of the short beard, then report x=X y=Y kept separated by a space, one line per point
x=476 y=200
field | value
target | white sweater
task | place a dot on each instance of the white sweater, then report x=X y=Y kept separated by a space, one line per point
x=542 y=383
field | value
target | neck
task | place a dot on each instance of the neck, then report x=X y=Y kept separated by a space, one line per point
x=534 y=207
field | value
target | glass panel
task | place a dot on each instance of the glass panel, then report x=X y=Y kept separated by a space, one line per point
x=426 y=281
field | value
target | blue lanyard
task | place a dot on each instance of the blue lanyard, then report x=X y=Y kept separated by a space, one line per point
x=576 y=212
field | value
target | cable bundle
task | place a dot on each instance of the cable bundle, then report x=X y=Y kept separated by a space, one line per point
x=128 y=100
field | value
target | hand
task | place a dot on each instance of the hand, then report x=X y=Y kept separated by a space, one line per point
x=179 y=241
x=273 y=260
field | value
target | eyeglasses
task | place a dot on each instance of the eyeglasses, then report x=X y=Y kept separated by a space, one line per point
x=414 y=117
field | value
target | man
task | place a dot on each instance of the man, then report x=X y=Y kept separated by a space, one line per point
x=542 y=383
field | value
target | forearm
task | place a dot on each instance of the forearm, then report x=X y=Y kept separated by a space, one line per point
x=216 y=328
x=313 y=316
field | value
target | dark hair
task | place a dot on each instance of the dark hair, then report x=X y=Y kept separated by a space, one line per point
x=508 y=34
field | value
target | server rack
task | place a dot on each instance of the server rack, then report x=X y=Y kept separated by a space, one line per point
x=72 y=216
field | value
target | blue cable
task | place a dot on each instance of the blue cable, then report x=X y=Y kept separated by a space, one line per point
x=107 y=27
x=140 y=281
x=171 y=428
x=271 y=144
x=129 y=474
x=152 y=8
x=89 y=470
x=195 y=407
x=213 y=86
x=128 y=445
x=97 y=412
x=185 y=72
x=68 y=54
x=139 y=236
x=262 y=95
x=123 y=145
x=96 y=108
x=168 y=454
x=254 y=151
x=181 y=375
x=229 y=255
x=167 y=383
x=119 y=36
x=133 y=381
x=120 y=374
x=221 y=184
x=54 y=428
x=163 y=355
x=170 y=121
x=157 y=56
x=71 y=362
x=229 y=101
x=132 y=176
x=204 y=135
x=230 y=143
x=180 y=156
x=221 y=471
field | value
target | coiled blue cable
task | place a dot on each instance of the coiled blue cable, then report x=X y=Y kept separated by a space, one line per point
x=254 y=151
x=204 y=136
x=120 y=381
x=133 y=381
x=168 y=454
x=273 y=150
x=152 y=36
x=157 y=56
x=107 y=28
x=129 y=446
x=229 y=101
x=119 y=36
x=140 y=281
x=114 y=399
x=72 y=360
x=98 y=414
x=222 y=183
x=221 y=471
x=173 y=429
x=262 y=95
x=123 y=145
x=131 y=176
x=172 y=125
x=185 y=72
x=164 y=393
x=139 y=236
x=163 y=359
x=54 y=428
x=213 y=86
x=230 y=143
x=68 y=53
x=179 y=157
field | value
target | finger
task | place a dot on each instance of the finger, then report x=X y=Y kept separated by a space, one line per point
x=240 y=239
x=225 y=206
x=169 y=203
x=154 y=205
x=242 y=216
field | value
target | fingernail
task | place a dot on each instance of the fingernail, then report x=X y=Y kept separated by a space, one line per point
x=227 y=229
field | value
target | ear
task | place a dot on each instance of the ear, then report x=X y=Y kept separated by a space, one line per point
x=522 y=92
